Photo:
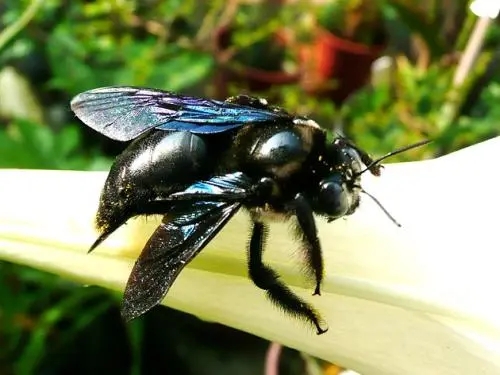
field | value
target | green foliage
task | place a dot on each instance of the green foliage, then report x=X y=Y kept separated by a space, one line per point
x=89 y=44
x=252 y=34
x=147 y=63
x=441 y=26
x=418 y=23
x=409 y=107
x=398 y=112
x=482 y=123
x=24 y=144
x=41 y=318
x=357 y=20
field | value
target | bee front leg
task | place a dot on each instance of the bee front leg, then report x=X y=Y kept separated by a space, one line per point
x=307 y=232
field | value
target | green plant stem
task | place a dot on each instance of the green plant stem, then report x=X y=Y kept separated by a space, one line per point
x=466 y=30
x=469 y=57
x=471 y=50
x=20 y=24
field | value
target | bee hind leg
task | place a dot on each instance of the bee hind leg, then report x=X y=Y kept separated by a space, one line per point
x=267 y=279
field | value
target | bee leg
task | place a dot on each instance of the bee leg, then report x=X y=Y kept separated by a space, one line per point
x=224 y=188
x=267 y=279
x=307 y=232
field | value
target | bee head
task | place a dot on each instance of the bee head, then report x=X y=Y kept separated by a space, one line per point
x=338 y=193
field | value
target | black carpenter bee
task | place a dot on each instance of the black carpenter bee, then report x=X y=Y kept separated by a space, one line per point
x=198 y=161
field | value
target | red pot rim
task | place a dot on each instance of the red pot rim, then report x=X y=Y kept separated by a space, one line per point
x=349 y=45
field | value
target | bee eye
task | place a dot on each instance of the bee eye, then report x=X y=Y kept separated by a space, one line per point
x=333 y=197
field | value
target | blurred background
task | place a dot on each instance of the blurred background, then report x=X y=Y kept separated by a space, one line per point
x=386 y=73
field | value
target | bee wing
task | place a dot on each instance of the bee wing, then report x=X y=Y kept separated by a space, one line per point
x=124 y=113
x=171 y=247
x=185 y=230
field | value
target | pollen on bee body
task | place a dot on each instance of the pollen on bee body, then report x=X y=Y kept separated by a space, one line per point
x=306 y=121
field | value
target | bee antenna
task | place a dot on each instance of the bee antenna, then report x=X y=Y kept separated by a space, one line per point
x=380 y=205
x=392 y=153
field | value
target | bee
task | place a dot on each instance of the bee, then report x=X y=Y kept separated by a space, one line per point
x=198 y=161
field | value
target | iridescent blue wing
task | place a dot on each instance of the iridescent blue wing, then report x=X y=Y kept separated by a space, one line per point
x=185 y=230
x=124 y=113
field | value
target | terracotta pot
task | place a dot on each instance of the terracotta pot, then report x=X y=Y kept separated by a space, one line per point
x=334 y=68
